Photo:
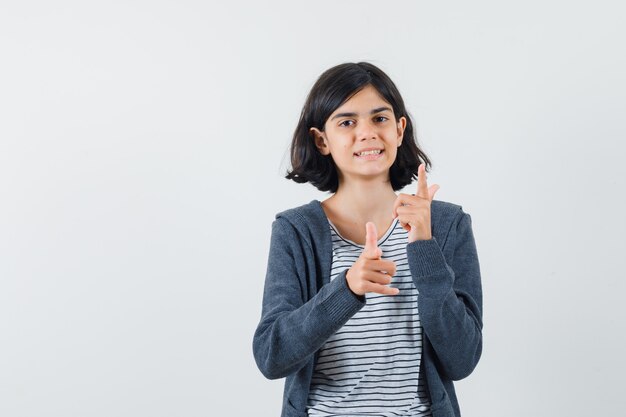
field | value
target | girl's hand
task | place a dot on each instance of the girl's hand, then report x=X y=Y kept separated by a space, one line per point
x=414 y=211
x=370 y=273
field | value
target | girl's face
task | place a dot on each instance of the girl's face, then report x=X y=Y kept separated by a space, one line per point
x=364 y=122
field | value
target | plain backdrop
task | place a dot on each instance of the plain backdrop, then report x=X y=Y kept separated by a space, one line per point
x=143 y=147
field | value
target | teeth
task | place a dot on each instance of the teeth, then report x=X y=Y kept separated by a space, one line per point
x=376 y=152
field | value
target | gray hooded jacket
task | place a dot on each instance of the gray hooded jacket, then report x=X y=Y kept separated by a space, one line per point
x=302 y=307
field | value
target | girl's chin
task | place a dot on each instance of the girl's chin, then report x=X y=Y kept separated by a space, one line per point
x=368 y=172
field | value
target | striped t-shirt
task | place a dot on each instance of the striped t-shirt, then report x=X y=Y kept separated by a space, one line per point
x=371 y=365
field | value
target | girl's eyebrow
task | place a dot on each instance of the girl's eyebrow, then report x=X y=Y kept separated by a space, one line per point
x=376 y=110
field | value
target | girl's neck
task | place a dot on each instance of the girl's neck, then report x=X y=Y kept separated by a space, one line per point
x=364 y=201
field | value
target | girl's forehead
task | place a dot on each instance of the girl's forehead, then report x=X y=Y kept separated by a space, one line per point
x=366 y=99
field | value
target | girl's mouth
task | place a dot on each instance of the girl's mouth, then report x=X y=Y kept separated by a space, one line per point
x=369 y=156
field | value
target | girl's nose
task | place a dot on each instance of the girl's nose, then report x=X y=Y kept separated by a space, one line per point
x=366 y=131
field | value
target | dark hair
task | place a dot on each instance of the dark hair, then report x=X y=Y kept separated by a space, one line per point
x=334 y=87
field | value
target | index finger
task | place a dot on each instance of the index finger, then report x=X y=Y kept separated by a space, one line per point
x=371 y=250
x=422 y=183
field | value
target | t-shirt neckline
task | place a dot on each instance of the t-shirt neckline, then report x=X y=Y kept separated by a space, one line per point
x=378 y=243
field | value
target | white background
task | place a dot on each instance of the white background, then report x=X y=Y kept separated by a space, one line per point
x=142 y=150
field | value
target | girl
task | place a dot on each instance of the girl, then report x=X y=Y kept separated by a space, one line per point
x=362 y=322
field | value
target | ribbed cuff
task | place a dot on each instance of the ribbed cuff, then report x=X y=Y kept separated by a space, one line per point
x=425 y=257
x=342 y=303
x=429 y=268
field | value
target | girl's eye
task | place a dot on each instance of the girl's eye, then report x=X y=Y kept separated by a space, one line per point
x=344 y=123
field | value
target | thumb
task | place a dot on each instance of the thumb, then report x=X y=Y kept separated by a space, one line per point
x=371 y=251
x=432 y=190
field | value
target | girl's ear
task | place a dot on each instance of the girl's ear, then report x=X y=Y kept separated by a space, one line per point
x=401 y=126
x=320 y=140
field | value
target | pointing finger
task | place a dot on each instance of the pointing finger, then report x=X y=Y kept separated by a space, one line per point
x=371 y=250
x=422 y=185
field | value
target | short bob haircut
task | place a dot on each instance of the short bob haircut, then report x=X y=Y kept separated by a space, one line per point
x=334 y=87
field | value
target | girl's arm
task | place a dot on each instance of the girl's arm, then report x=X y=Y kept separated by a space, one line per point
x=290 y=329
x=450 y=297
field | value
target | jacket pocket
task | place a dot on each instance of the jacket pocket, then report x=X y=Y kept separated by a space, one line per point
x=442 y=407
x=289 y=410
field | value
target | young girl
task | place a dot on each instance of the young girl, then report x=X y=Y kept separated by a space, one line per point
x=372 y=302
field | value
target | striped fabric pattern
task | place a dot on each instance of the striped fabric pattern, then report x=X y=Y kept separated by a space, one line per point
x=370 y=367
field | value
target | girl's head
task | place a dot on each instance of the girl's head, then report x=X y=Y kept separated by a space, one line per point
x=352 y=107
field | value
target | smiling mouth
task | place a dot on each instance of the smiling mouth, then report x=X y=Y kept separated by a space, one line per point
x=369 y=154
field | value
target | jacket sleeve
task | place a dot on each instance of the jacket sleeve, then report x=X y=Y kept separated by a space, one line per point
x=450 y=298
x=291 y=328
